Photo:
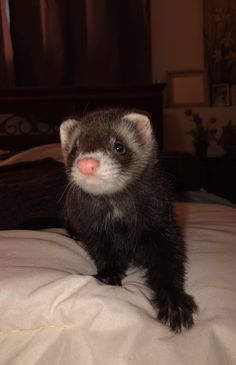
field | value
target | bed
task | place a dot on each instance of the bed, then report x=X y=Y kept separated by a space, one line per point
x=52 y=310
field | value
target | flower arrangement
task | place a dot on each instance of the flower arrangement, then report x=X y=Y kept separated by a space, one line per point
x=201 y=132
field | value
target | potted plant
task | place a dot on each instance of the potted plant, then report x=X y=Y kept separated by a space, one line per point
x=202 y=133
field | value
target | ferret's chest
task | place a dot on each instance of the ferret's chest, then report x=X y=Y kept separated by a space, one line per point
x=114 y=212
x=107 y=212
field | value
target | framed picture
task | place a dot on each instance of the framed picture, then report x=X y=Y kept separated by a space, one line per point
x=233 y=94
x=188 y=88
x=220 y=94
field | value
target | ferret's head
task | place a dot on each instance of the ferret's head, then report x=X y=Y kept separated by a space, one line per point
x=105 y=151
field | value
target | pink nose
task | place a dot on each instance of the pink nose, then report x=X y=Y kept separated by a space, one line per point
x=88 y=166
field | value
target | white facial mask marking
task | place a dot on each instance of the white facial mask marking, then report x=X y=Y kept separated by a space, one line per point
x=106 y=179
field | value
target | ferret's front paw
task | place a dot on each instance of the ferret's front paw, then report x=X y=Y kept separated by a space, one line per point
x=110 y=279
x=176 y=309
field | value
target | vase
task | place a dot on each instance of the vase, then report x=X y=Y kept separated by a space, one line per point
x=201 y=149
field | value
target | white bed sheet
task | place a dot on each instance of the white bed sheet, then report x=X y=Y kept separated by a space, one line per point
x=52 y=314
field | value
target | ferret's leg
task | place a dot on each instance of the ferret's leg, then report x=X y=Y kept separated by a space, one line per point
x=110 y=270
x=111 y=260
x=163 y=257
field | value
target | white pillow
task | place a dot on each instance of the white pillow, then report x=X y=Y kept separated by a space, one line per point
x=36 y=153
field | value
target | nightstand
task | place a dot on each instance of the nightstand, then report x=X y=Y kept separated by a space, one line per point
x=220 y=176
x=217 y=175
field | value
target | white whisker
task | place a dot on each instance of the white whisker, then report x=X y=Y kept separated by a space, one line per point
x=64 y=192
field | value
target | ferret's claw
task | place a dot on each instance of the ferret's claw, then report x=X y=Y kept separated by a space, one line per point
x=113 y=279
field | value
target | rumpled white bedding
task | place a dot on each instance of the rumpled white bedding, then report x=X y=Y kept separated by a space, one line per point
x=53 y=312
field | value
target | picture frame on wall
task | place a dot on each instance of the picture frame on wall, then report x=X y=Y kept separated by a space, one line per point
x=188 y=88
x=220 y=94
x=233 y=94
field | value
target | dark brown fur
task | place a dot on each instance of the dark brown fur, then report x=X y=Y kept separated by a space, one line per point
x=143 y=232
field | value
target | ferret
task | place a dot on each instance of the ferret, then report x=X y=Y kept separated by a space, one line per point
x=120 y=207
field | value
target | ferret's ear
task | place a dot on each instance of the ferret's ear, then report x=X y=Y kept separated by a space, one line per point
x=142 y=122
x=66 y=129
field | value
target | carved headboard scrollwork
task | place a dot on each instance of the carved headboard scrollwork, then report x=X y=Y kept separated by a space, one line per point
x=31 y=117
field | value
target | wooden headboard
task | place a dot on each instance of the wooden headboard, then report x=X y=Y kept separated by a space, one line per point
x=30 y=117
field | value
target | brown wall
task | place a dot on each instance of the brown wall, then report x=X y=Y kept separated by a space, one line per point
x=177 y=36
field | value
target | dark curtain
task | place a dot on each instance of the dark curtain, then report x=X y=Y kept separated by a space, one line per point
x=6 y=53
x=80 y=42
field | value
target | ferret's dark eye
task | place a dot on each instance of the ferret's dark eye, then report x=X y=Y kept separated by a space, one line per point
x=119 y=147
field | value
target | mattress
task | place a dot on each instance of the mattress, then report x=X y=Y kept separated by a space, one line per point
x=53 y=311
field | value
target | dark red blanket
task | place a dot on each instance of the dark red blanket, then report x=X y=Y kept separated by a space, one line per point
x=30 y=194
